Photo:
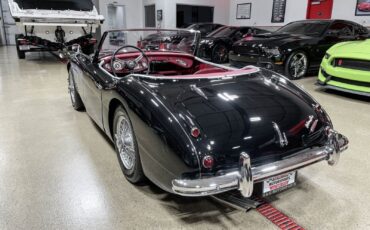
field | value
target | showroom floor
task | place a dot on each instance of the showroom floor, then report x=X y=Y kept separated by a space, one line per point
x=57 y=170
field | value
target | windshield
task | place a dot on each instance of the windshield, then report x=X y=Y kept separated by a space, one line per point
x=184 y=41
x=77 y=5
x=224 y=31
x=305 y=28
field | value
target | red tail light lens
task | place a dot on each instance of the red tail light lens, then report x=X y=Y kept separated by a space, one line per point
x=208 y=162
x=195 y=132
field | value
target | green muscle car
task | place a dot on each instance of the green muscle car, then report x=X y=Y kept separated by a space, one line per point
x=346 y=67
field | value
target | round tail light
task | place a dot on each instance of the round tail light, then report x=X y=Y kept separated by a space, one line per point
x=208 y=162
x=195 y=132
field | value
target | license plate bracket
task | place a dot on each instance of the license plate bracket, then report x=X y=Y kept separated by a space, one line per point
x=278 y=183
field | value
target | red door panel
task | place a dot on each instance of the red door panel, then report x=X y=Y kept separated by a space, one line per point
x=319 y=9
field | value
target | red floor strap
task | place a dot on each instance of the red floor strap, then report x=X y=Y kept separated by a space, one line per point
x=278 y=218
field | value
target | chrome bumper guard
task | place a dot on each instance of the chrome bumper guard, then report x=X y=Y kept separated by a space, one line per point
x=244 y=178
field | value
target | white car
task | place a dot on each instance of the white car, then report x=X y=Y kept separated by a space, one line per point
x=54 y=25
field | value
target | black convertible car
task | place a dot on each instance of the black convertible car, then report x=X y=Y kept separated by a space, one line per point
x=216 y=45
x=195 y=128
x=295 y=48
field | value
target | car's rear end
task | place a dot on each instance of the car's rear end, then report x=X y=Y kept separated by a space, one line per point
x=346 y=67
x=251 y=132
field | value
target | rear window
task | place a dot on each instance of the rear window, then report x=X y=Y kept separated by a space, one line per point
x=77 y=5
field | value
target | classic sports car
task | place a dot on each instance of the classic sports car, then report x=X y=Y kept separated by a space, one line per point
x=296 y=48
x=196 y=128
x=346 y=67
x=364 y=6
x=216 y=45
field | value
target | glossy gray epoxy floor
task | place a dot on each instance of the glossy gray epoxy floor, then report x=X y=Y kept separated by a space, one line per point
x=58 y=171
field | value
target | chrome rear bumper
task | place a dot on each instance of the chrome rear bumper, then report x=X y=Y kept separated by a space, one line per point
x=244 y=178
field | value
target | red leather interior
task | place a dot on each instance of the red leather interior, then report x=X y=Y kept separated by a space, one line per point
x=210 y=70
x=182 y=64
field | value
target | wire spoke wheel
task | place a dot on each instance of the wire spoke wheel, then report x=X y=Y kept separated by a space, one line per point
x=298 y=65
x=125 y=143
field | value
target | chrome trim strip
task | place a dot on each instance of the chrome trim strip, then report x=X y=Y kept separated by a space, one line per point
x=244 y=178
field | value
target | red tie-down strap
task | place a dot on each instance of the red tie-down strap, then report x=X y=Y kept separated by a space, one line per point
x=277 y=217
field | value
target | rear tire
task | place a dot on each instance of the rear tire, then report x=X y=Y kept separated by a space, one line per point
x=75 y=96
x=21 y=54
x=220 y=54
x=126 y=147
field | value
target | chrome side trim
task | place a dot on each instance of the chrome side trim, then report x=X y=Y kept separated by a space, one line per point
x=244 y=178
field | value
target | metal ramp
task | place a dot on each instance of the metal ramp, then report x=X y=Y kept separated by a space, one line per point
x=237 y=201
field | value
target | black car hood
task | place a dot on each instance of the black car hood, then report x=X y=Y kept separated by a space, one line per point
x=238 y=115
x=272 y=39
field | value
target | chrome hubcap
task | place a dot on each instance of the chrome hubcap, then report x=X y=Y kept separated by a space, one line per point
x=125 y=143
x=298 y=65
x=71 y=88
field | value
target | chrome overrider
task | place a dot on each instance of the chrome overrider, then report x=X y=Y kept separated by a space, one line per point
x=244 y=178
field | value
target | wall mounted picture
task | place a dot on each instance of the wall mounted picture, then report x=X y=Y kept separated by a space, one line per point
x=278 y=11
x=363 y=8
x=243 y=11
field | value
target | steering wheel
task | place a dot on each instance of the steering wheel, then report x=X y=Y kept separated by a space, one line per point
x=131 y=64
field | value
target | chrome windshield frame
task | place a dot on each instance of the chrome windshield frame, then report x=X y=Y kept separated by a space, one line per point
x=197 y=36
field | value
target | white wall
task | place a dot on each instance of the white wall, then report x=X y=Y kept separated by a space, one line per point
x=295 y=10
x=225 y=11
x=262 y=12
x=133 y=8
x=221 y=10
x=345 y=9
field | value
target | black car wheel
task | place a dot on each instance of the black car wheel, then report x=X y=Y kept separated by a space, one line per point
x=21 y=54
x=220 y=54
x=296 y=65
x=75 y=96
x=126 y=147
